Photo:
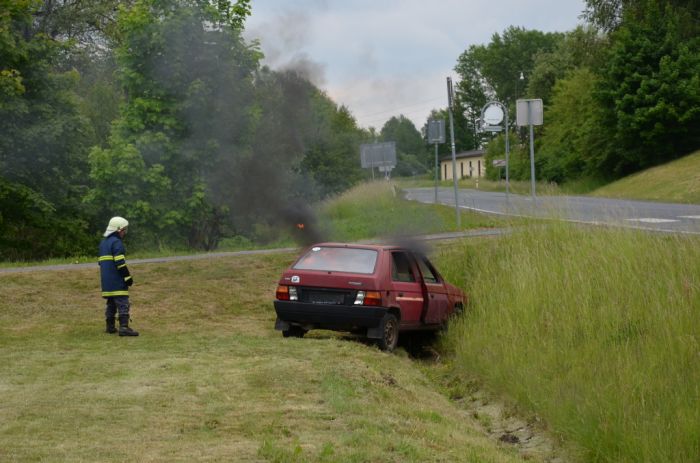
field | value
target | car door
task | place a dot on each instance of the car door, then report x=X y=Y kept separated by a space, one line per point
x=407 y=289
x=436 y=309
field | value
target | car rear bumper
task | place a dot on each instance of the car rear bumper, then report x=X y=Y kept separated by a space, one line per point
x=327 y=316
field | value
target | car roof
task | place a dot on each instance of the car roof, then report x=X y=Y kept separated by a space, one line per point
x=376 y=247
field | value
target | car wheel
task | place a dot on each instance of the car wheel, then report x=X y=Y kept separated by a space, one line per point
x=390 y=333
x=294 y=331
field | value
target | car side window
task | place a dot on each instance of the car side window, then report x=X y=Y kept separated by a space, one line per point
x=401 y=268
x=426 y=269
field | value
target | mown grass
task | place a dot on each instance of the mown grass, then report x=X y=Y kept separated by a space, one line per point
x=676 y=181
x=595 y=330
x=208 y=379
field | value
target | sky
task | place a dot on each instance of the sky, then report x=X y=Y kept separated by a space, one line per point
x=382 y=58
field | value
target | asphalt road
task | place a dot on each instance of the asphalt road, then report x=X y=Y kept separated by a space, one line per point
x=666 y=217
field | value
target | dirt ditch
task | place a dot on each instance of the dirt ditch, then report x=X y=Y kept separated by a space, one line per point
x=496 y=419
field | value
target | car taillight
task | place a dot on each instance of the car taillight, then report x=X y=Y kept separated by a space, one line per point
x=282 y=293
x=368 y=298
x=286 y=293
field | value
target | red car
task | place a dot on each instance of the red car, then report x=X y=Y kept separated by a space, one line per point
x=372 y=290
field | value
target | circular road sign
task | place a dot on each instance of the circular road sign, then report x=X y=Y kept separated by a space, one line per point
x=493 y=114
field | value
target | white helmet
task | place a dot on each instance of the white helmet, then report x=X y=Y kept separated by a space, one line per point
x=116 y=224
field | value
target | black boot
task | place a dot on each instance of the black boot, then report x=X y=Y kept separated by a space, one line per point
x=111 y=328
x=124 y=329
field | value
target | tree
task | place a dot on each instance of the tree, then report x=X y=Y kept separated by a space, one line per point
x=412 y=157
x=650 y=87
x=332 y=157
x=572 y=146
x=187 y=76
x=499 y=70
x=493 y=70
x=43 y=143
x=582 y=47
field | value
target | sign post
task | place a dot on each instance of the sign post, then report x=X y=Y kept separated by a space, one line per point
x=529 y=112
x=454 y=155
x=436 y=134
x=493 y=113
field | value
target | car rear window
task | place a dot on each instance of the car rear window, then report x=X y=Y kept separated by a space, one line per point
x=332 y=259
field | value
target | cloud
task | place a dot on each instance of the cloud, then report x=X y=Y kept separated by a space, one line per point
x=383 y=57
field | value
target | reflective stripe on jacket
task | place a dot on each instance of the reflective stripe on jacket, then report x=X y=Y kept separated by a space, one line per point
x=113 y=270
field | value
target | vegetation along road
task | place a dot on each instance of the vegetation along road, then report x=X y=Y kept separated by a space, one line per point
x=667 y=217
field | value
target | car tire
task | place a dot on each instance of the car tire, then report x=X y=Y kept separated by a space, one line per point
x=390 y=333
x=294 y=331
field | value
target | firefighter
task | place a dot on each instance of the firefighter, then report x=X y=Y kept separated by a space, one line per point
x=115 y=277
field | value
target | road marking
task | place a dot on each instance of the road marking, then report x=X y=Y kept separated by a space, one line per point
x=696 y=217
x=652 y=220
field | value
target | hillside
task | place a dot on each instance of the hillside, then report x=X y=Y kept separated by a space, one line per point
x=678 y=181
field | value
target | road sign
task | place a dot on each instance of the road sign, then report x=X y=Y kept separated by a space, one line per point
x=436 y=131
x=492 y=114
x=378 y=154
x=529 y=112
x=499 y=163
x=491 y=128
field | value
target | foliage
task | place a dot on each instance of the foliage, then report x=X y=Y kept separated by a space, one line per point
x=650 y=88
x=43 y=143
x=493 y=70
x=412 y=156
x=572 y=146
x=188 y=85
x=332 y=157
x=31 y=228
x=580 y=48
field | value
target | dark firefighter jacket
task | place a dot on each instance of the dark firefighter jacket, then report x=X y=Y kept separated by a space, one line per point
x=113 y=270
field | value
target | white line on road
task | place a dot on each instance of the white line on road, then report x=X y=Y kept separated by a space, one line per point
x=696 y=217
x=652 y=220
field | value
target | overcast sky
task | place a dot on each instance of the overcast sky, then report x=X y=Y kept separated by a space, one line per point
x=382 y=58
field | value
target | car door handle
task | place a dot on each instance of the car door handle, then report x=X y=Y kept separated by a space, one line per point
x=432 y=296
x=400 y=294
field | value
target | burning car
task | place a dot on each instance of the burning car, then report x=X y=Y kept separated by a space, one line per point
x=373 y=290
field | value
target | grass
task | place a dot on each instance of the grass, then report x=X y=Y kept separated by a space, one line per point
x=595 y=330
x=208 y=379
x=677 y=181
x=377 y=209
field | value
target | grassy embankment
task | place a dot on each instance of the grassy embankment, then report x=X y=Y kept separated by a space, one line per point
x=595 y=330
x=677 y=181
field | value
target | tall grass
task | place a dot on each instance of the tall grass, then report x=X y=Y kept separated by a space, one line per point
x=377 y=209
x=597 y=331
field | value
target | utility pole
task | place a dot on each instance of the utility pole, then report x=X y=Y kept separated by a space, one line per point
x=454 y=154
